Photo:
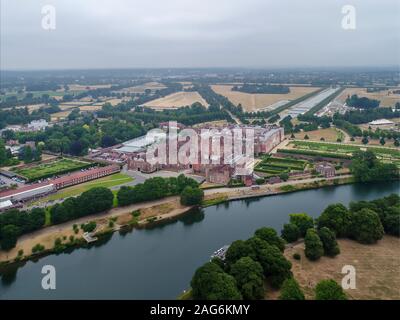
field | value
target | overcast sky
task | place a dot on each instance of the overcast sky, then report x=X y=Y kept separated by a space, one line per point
x=198 y=33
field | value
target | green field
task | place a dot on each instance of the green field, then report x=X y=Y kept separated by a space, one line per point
x=275 y=166
x=108 y=182
x=345 y=149
x=47 y=170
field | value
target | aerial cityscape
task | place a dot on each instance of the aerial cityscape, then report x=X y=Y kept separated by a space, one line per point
x=170 y=157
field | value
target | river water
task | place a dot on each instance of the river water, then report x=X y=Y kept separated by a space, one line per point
x=158 y=262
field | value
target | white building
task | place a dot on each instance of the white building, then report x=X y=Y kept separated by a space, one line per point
x=381 y=122
x=38 y=125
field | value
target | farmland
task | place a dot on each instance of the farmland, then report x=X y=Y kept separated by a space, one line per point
x=49 y=169
x=274 y=166
x=329 y=134
x=176 y=100
x=254 y=102
x=153 y=86
x=386 y=97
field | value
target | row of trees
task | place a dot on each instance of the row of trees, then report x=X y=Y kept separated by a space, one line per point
x=157 y=188
x=364 y=221
x=14 y=223
x=362 y=103
x=93 y=201
x=262 y=88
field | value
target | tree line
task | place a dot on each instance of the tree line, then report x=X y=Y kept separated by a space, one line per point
x=262 y=88
x=157 y=188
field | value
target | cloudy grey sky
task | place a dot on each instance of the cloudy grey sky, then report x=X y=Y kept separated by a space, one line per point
x=198 y=33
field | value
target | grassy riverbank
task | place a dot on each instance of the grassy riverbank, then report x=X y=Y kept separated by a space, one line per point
x=139 y=215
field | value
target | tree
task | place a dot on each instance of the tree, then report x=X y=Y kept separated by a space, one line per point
x=329 y=290
x=306 y=137
x=291 y=290
x=95 y=200
x=239 y=249
x=270 y=236
x=303 y=221
x=192 y=196
x=284 y=176
x=210 y=282
x=59 y=214
x=366 y=226
x=3 y=153
x=382 y=141
x=314 y=248
x=337 y=218
x=9 y=236
x=396 y=142
x=391 y=221
x=276 y=267
x=28 y=155
x=365 y=140
x=290 y=232
x=249 y=278
x=327 y=236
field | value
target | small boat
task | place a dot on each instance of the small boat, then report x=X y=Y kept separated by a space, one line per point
x=220 y=253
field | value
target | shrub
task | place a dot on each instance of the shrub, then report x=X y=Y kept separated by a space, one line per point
x=329 y=290
x=291 y=290
x=296 y=256
x=37 y=248
x=89 y=227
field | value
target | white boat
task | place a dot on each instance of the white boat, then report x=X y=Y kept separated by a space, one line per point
x=220 y=253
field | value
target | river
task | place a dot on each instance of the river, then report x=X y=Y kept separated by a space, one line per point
x=158 y=262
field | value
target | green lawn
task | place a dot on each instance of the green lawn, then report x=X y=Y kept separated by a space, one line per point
x=47 y=170
x=274 y=166
x=108 y=182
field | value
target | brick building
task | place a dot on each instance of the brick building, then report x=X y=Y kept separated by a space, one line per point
x=326 y=169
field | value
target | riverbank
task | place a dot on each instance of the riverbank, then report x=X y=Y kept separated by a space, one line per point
x=130 y=262
x=139 y=215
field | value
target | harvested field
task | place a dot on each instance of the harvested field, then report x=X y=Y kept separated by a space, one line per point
x=254 y=102
x=153 y=86
x=386 y=97
x=79 y=87
x=330 y=134
x=90 y=108
x=176 y=100
x=377 y=268
x=60 y=115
